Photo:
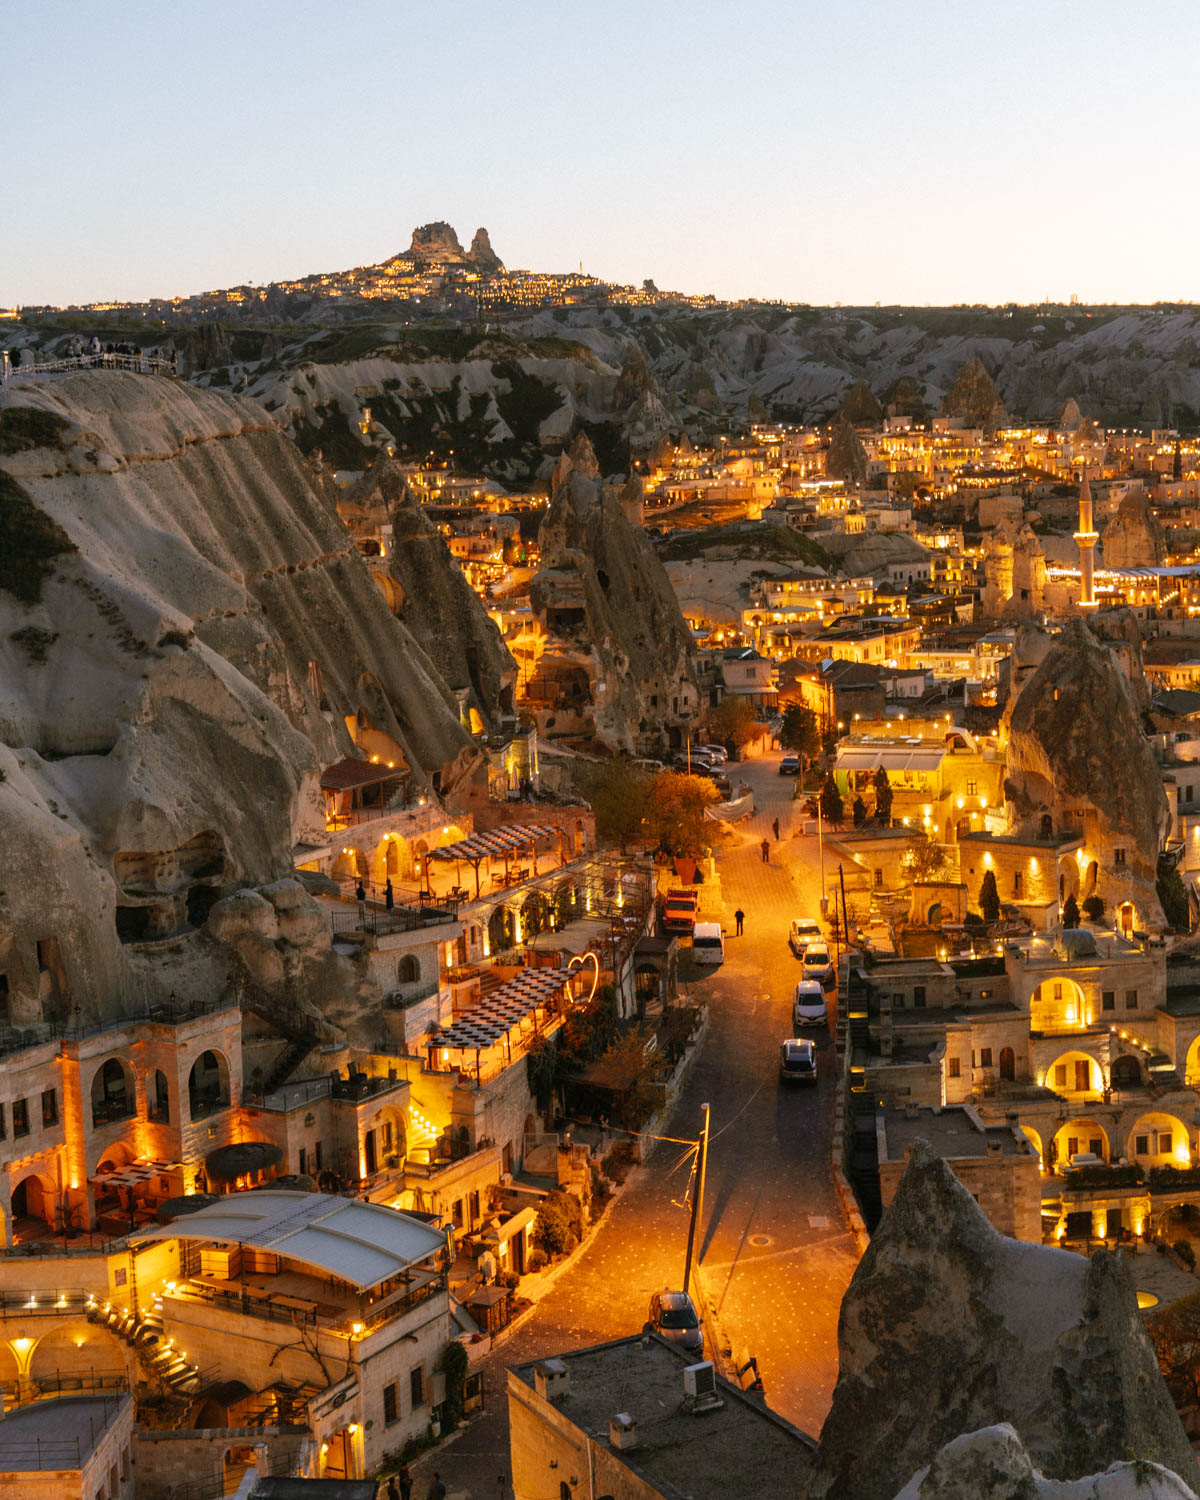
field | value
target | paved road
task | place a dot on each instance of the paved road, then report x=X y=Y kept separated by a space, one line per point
x=777 y=1253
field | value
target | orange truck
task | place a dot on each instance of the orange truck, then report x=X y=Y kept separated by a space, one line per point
x=679 y=911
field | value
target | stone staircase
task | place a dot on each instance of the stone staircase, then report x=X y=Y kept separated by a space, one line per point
x=297 y=1050
x=170 y=1371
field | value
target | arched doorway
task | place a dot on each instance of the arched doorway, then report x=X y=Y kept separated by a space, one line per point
x=1035 y=1139
x=1125 y=917
x=1079 y=1137
x=208 y=1085
x=1008 y=1065
x=1074 y=1074
x=502 y=927
x=1057 y=1004
x=32 y=1208
x=1126 y=1072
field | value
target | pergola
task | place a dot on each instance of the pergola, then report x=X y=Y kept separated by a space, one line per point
x=504 y=1010
x=500 y=843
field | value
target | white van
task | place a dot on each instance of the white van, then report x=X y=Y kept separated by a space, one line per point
x=708 y=943
x=808 y=1004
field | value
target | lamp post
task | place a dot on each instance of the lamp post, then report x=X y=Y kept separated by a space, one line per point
x=697 y=1198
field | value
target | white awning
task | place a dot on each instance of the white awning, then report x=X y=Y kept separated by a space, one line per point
x=362 y=1243
x=923 y=757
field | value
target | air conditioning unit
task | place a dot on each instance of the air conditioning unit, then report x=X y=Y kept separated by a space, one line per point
x=551 y=1379
x=700 y=1381
x=622 y=1431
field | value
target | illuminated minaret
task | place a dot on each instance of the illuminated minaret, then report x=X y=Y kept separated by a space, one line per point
x=1087 y=539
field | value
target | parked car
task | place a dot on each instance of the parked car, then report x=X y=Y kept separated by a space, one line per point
x=803 y=931
x=718 y=752
x=817 y=963
x=808 y=1004
x=797 y=1061
x=708 y=943
x=789 y=765
x=673 y=1315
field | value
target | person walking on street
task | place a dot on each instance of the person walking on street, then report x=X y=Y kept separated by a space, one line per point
x=775 y=826
x=437 y=1490
x=405 y=1479
x=393 y=1490
x=766 y=851
x=389 y=895
x=360 y=896
x=739 y=917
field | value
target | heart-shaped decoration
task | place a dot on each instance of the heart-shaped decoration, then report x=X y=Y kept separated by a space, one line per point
x=577 y=963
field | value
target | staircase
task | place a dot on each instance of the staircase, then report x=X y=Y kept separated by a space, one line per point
x=297 y=1050
x=174 y=1374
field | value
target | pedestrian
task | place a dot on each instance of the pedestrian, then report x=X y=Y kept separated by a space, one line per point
x=739 y=917
x=360 y=896
x=389 y=895
x=766 y=851
x=405 y=1479
x=437 y=1490
x=393 y=1489
x=775 y=826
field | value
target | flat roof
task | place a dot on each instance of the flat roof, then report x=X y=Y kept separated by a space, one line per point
x=678 y=1452
x=363 y=1243
x=55 y=1434
x=951 y=1133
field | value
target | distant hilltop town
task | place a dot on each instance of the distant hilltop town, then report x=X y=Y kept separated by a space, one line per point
x=434 y=275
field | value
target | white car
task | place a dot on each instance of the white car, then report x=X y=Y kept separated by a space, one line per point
x=817 y=964
x=808 y=1004
x=803 y=931
x=718 y=753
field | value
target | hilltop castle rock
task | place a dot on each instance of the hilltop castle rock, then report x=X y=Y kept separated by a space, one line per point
x=170 y=700
x=438 y=244
x=949 y=1327
x=1076 y=751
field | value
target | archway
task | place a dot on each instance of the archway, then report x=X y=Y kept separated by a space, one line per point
x=502 y=928
x=1068 y=878
x=1058 y=1004
x=1074 y=1074
x=536 y=914
x=1008 y=1065
x=208 y=1085
x=32 y=1207
x=1076 y=1137
x=78 y=1349
x=1125 y=917
x=1126 y=1072
x=114 y=1094
x=1159 y=1139
x=1035 y=1137
x=408 y=969
x=1192 y=1066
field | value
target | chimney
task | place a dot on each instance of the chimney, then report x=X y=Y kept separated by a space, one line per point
x=622 y=1431
x=551 y=1379
x=995 y=1148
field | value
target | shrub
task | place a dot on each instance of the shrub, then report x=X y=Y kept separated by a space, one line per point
x=29 y=542
x=1183 y=1248
x=1093 y=908
x=537 y=1259
x=25 y=427
x=601 y=1189
x=618 y=1162
x=1070 y=912
x=552 y=1228
x=454 y=1363
x=508 y=1279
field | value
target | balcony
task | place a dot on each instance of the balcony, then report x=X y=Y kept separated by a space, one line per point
x=429 y=911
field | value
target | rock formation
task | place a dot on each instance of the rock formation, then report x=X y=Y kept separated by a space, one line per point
x=200 y=656
x=905 y=400
x=974 y=398
x=1076 y=753
x=859 y=407
x=617 y=669
x=994 y=1464
x=437 y=243
x=482 y=256
x=637 y=403
x=846 y=458
x=1014 y=574
x=1134 y=538
x=949 y=1327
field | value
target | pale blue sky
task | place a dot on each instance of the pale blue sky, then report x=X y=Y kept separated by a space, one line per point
x=844 y=151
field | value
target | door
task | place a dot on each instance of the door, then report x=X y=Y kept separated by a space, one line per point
x=1083 y=1075
x=1008 y=1064
x=372 y=1160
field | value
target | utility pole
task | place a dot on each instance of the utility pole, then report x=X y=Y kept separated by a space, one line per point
x=697 y=1198
x=821 y=849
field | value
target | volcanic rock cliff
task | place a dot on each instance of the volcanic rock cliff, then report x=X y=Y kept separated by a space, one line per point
x=1134 y=538
x=949 y=1327
x=610 y=614
x=171 y=688
x=1077 y=753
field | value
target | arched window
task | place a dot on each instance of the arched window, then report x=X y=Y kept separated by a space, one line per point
x=208 y=1085
x=1126 y=1073
x=113 y=1096
x=158 y=1099
x=408 y=970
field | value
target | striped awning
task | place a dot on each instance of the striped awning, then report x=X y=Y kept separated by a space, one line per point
x=497 y=843
x=135 y=1173
x=509 y=1006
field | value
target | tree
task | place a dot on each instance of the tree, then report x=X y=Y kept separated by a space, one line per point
x=734 y=721
x=883 y=797
x=799 y=730
x=1070 y=912
x=1175 y=1334
x=831 y=802
x=989 y=897
x=1094 y=908
x=924 y=859
x=859 y=809
x=674 y=816
x=619 y=794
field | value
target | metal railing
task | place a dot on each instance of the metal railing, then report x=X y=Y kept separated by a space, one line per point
x=432 y=913
x=138 y=364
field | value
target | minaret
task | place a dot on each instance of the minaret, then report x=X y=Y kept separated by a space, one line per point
x=1086 y=538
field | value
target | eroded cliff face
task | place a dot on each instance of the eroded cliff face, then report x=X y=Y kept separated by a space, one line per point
x=1134 y=538
x=1077 y=753
x=167 y=705
x=610 y=615
x=949 y=1327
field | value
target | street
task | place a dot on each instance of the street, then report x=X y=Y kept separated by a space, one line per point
x=776 y=1252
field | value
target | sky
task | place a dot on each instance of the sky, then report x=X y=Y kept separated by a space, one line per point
x=850 y=151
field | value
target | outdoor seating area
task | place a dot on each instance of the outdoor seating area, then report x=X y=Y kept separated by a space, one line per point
x=500 y=846
x=506 y=1019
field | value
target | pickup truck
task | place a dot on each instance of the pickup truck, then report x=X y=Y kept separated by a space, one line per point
x=679 y=911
